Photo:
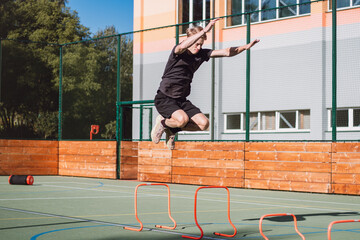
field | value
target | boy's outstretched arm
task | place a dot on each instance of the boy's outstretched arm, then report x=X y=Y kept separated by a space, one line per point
x=192 y=39
x=232 y=51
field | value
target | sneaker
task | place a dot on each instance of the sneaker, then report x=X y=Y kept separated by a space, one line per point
x=157 y=130
x=170 y=139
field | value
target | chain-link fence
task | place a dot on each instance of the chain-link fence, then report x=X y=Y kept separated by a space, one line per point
x=285 y=88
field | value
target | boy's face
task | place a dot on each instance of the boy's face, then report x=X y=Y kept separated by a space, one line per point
x=195 y=48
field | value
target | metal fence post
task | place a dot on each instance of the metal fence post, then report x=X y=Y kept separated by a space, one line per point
x=119 y=118
x=212 y=115
x=141 y=122
x=177 y=34
x=247 y=122
x=60 y=96
x=0 y=66
x=334 y=69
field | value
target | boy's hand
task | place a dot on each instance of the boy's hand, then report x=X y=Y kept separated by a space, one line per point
x=210 y=25
x=248 y=46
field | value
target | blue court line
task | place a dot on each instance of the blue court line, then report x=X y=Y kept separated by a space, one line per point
x=10 y=193
x=278 y=235
x=64 y=229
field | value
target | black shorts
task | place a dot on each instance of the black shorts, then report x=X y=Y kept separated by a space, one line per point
x=166 y=106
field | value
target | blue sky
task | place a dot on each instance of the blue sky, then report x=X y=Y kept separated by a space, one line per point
x=97 y=14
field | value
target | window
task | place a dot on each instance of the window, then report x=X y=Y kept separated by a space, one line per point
x=287 y=9
x=346 y=119
x=234 y=7
x=304 y=119
x=304 y=8
x=287 y=119
x=344 y=3
x=254 y=121
x=267 y=121
x=270 y=14
x=342 y=118
x=270 y=121
x=193 y=10
x=251 y=6
x=233 y=121
x=356 y=117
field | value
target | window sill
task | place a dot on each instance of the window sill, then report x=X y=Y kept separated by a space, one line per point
x=345 y=130
x=194 y=133
x=344 y=8
x=270 y=20
x=267 y=132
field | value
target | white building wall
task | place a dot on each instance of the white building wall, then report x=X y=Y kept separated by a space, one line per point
x=289 y=71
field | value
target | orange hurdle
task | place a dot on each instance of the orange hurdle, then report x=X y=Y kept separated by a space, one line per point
x=340 y=221
x=136 y=214
x=202 y=233
x=279 y=214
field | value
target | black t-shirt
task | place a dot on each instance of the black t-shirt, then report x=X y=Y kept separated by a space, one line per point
x=179 y=72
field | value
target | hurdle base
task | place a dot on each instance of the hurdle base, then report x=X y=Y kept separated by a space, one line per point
x=165 y=227
x=133 y=229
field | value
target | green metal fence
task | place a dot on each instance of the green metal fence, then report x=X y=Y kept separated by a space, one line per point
x=92 y=81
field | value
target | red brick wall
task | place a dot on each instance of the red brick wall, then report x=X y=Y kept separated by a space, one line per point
x=23 y=157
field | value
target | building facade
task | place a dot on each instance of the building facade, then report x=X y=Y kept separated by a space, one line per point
x=291 y=81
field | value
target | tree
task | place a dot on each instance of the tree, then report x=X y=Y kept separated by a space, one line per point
x=30 y=76
x=30 y=71
x=90 y=83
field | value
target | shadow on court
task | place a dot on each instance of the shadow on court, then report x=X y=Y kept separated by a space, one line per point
x=74 y=208
x=40 y=225
x=302 y=217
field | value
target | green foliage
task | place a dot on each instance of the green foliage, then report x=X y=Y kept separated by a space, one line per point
x=45 y=124
x=110 y=131
x=30 y=71
x=90 y=83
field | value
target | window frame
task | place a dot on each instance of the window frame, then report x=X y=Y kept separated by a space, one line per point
x=277 y=128
x=342 y=8
x=277 y=15
x=351 y=126
x=191 y=16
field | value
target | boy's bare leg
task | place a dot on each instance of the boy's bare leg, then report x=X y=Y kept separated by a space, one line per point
x=199 y=122
x=179 y=119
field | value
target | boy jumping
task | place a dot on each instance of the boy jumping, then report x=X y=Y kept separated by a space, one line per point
x=176 y=112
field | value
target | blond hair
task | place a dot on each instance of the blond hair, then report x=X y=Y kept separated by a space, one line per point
x=194 y=30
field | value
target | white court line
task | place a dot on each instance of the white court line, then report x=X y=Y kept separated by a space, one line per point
x=232 y=196
x=204 y=199
x=79 y=188
x=63 y=198
x=99 y=222
x=260 y=197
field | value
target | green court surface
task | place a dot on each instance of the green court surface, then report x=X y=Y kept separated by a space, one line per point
x=87 y=208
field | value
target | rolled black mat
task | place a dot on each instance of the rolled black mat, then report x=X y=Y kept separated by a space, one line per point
x=21 y=179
